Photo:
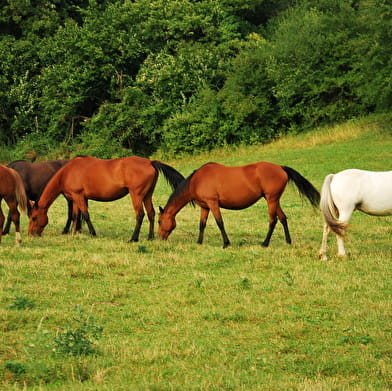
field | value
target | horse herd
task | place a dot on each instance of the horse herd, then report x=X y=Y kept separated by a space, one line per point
x=33 y=187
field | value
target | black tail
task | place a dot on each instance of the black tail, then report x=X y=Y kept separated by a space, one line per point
x=173 y=177
x=304 y=186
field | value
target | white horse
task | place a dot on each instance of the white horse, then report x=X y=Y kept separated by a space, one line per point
x=349 y=190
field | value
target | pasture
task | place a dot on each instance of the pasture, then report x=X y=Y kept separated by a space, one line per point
x=98 y=313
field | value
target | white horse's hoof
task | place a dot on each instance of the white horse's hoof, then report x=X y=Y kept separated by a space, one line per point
x=323 y=257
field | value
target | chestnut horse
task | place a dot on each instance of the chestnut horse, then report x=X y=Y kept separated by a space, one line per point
x=35 y=177
x=214 y=186
x=86 y=177
x=367 y=191
x=13 y=192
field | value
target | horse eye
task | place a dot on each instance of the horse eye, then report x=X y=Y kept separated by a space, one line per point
x=34 y=218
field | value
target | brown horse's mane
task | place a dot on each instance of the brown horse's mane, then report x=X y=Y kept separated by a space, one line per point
x=181 y=188
x=51 y=192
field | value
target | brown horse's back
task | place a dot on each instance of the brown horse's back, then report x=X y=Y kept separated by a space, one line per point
x=111 y=178
x=238 y=187
x=35 y=176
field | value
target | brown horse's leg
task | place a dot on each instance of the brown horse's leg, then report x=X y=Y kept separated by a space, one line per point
x=272 y=212
x=7 y=226
x=78 y=227
x=15 y=216
x=219 y=221
x=80 y=208
x=150 y=214
x=90 y=226
x=283 y=219
x=272 y=225
x=203 y=222
x=69 y=217
x=139 y=213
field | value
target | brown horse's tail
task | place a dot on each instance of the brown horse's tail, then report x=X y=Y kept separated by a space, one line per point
x=303 y=185
x=173 y=177
x=329 y=209
x=20 y=191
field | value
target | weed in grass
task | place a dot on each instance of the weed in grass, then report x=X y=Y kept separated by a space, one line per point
x=353 y=338
x=142 y=249
x=245 y=283
x=16 y=369
x=288 y=278
x=79 y=338
x=199 y=283
x=21 y=303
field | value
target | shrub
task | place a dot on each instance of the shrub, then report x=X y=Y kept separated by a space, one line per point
x=79 y=337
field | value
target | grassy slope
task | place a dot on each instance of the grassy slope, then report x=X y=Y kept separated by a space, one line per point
x=178 y=316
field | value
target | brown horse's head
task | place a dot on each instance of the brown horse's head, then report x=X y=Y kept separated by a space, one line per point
x=37 y=221
x=166 y=223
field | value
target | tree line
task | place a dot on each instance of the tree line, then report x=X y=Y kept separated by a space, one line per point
x=119 y=77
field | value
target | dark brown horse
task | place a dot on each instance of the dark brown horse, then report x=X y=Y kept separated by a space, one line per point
x=214 y=186
x=86 y=177
x=13 y=192
x=35 y=177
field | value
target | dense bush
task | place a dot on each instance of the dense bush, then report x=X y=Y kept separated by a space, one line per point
x=113 y=77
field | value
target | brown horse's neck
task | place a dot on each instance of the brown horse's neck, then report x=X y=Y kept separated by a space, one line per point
x=51 y=192
x=177 y=203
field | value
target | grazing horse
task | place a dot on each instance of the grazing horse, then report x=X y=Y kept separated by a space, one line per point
x=88 y=178
x=13 y=192
x=35 y=176
x=214 y=186
x=342 y=193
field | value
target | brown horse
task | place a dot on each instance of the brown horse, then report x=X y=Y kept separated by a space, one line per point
x=86 y=177
x=13 y=192
x=35 y=177
x=214 y=186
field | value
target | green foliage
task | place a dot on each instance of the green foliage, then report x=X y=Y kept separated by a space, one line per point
x=17 y=369
x=312 y=65
x=374 y=63
x=79 y=337
x=116 y=76
x=22 y=303
x=248 y=105
x=119 y=127
x=196 y=128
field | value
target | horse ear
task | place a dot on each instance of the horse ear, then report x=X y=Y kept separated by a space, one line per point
x=160 y=209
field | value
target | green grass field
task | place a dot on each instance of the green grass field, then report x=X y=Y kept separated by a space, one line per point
x=83 y=313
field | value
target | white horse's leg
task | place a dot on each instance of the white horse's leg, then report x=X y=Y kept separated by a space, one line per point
x=323 y=249
x=341 y=250
x=344 y=216
x=18 y=239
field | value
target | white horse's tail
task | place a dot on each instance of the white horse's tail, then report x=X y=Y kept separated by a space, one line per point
x=329 y=209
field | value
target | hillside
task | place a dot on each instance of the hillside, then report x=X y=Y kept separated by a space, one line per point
x=81 y=313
